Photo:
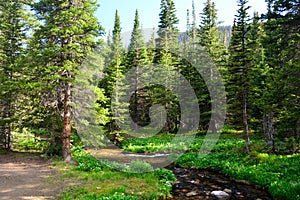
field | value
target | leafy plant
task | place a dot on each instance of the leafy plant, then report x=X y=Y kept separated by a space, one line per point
x=83 y=194
x=138 y=166
x=25 y=141
x=167 y=178
x=87 y=162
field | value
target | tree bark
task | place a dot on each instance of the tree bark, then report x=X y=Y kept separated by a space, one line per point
x=6 y=131
x=67 y=125
x=245 y=122
x=269 y=130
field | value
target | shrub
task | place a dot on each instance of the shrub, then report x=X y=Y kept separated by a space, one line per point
x=138 y=166
x=26 y=141
x=166 y=178
x=86 y=162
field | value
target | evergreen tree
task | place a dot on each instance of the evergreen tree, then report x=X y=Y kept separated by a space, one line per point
x=136 y=58
x=167 y=56
x=239 y=70
x=188 y=25
x=259 y=71
x=107 y=48
x=209 y=39
x=66 y=37
x=209 y=34
x=191 y=31
x=167 y=29
x=151 y=47
x=194 y=26
x=114 y=68
x=114 y=71
x=87 y=97
x=13 y=21
x=281 y=43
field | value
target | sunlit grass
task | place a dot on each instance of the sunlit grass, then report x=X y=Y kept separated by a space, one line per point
x=108 y=183
x=277 y=173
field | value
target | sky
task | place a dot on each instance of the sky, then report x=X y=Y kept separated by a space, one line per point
x=149 y=12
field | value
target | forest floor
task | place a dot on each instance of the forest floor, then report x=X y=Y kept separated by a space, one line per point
x=27 y=176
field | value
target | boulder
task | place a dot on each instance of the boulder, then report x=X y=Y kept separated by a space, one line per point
x=220 y=194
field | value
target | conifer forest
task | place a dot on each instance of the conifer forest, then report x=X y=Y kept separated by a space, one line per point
x=212 y=112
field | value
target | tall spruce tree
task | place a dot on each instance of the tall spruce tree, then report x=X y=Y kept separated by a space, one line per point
x=239 y=70
x=115 y=67
x=151 y=45
x=67 y=35
x=114 y=71
x=209 y=34
x=281 y=43
x=136 y=58
x=259 y=71
x=209 y=39
x=12 y=50
x=194 y=25
x=191 y=27
x=167 y=56
x=167 y=28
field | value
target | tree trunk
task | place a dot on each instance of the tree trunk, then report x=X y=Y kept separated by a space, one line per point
x=245 y=122
x=67 y=125
x=6 y=131
x=269 y=129
x=7 y=137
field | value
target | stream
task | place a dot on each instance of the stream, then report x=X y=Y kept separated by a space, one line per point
x=191 y=183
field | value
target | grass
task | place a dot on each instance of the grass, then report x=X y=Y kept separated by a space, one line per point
x=97 y=181
x=166 y=144
x=279 y=174
x=94 y=179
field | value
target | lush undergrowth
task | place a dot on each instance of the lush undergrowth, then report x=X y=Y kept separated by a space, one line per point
x=104 y=180
x=168 y=144
x=26 y=141
x=279 y=174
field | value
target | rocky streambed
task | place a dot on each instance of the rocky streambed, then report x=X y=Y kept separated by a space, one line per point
x=193 y=184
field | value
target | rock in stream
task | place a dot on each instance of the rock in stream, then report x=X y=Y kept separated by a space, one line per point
x=195 y=184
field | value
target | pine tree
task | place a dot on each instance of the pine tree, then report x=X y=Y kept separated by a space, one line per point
x=151 y=47
x=115 y=68
x=88 y=97
x=114 y=72
x=209 y=39
x=66 y=37
x=194 y=26
x=188 y=24
x=209 y=34
x=239 y=71
x=258 y=73
x=281 y=45
x=191 y=28
x=167 y=56
x=136 y=58
x=167 y=29
x=13 y=21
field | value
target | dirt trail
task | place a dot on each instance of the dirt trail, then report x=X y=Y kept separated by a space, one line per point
x=26 y=177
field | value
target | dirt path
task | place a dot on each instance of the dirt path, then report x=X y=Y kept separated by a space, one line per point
x=26 y=176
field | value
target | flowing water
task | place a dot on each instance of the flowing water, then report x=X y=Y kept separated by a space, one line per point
x=157 y=160
x=191 y=183
x=199 y=184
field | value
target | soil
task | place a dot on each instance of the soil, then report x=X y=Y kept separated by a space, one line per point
x=27 y=177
